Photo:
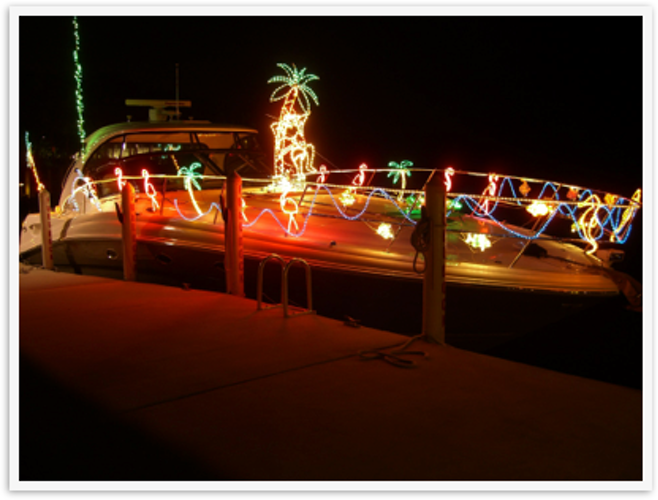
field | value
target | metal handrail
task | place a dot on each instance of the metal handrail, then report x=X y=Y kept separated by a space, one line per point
x=309 y=294
x=285 y=298
x=259 y=285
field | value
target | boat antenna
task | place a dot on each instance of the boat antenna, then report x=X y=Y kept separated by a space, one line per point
x=177 y=89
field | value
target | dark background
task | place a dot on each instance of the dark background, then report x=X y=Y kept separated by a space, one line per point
x=557 y=98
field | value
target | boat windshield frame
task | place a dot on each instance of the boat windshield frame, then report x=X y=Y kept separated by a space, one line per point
x=168 y=164
x=143 y=145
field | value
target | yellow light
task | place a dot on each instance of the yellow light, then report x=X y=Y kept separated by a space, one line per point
x=31 y=164
x=478 y=240
x=244 y=207
x=347 y=198
x=293 y=156
x=324 y=173
x=627 y=215
x=525 y=189
x=588 y=223
x=384 y=230
x=538 y=209
x=610 y=199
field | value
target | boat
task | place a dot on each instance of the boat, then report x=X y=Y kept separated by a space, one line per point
x=355 y=228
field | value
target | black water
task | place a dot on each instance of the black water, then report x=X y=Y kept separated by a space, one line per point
x=593 y=338
x=603 y=342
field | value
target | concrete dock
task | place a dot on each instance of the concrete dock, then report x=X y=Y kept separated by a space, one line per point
x=133 y=381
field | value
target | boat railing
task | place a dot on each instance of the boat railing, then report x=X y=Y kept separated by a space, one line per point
x=588 y=217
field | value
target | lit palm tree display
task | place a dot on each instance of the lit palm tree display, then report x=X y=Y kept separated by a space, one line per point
x=401 y=174
x=190 y=176
x=293 y=156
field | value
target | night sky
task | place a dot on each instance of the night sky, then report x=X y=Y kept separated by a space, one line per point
x=558 y=98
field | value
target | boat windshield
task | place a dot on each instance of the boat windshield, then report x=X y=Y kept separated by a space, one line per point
x=166 y=153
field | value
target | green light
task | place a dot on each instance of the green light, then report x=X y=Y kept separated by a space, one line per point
x=454 y=205
x=190 y=176
x=30 y=162
x=400 y=173
x=78 y=89
x=294 y=79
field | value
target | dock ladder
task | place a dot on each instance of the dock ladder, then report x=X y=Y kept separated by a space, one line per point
x=285 y=269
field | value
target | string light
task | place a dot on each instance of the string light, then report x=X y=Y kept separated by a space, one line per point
x=610 y=199
x=78 y=86
x=150 y=190
x=539 y=209
x=244 y=207
x=525 y=189
x=449 y=172
x=213 y=206
x=491 y=190
x=290 y=208
x=280 y=184
x=589 y=224
x=88 y=188
x=590 y=216
x=119 y=173
x=455 y=204
x=31 y=164
x=360 y=178
x=348 y=198
x=384 y=230
x=627 y=216
x=293 y=156
x=190 y=176
x=324 y=174
x=401 y=172
x=477 y=240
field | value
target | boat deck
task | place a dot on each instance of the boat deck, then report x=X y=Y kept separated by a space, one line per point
x=134 y=381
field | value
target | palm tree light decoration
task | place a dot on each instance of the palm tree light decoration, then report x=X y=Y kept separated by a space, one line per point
x=190 y=179
x=293 y=156
x=402 y=173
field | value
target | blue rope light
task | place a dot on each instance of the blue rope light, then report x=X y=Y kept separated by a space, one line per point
x=212 y=205
x=609 y=220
